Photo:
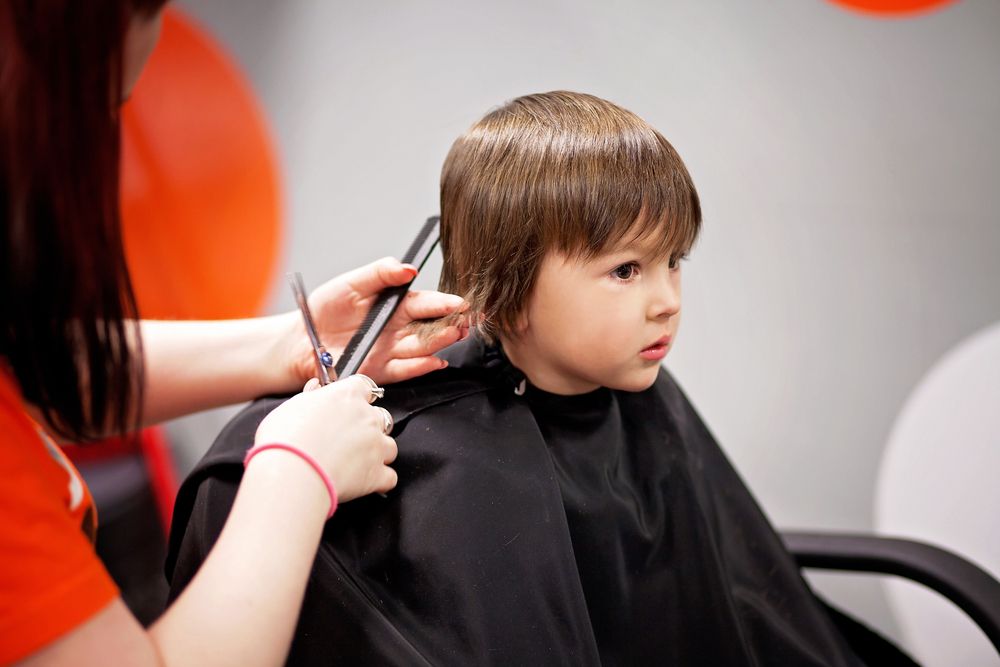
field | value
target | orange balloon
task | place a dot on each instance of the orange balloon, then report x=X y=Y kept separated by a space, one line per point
x=893 y=7
x=199 y=189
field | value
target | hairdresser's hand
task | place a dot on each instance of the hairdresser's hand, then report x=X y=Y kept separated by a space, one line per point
x=337 y=426
x=340 y=305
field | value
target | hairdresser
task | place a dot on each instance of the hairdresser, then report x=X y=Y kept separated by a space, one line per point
x=76 y=364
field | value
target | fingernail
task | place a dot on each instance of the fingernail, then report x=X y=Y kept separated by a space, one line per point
x=411 y=269
x=444 y=364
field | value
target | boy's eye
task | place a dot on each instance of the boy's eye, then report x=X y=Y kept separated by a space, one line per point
x=625 y=271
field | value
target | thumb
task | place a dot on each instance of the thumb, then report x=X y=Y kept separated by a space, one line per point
x=312 y=384
x=375 y=277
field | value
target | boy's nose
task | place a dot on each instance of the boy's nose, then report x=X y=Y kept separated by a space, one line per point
x=665 y=300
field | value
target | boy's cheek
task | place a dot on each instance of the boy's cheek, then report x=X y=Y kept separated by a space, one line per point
x=616 y=323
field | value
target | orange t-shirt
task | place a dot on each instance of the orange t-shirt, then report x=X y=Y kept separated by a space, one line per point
x=51 y=580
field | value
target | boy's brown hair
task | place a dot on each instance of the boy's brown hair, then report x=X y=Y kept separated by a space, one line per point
x=557 y=171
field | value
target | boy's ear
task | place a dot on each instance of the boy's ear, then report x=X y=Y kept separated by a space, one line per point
x=521 y=324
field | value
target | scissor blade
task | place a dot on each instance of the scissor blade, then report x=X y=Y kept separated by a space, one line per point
x=322 y=356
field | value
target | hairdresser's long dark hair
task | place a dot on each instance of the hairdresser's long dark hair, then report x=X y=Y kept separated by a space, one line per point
x=68 y=311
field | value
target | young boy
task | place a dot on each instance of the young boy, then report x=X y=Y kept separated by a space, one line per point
x=559 y=500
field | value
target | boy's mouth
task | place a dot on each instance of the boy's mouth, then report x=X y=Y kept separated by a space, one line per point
x=657 y=350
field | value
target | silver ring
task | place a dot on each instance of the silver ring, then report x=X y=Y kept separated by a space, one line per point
x=375 y=392
x=387 y=422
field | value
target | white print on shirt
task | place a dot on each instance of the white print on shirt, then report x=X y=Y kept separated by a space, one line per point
x=75 y=484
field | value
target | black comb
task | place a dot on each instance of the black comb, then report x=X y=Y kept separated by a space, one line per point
x=386 y=304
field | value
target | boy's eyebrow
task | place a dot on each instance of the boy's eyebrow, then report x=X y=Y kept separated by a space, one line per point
x=620 y=253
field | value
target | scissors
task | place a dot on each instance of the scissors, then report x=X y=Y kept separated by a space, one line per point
x=378 y=315
x=324 y=360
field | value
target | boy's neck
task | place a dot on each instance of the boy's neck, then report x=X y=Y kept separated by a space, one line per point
x=541 y=374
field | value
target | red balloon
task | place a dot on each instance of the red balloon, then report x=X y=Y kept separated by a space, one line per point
x=893 y=7
x=199 y=192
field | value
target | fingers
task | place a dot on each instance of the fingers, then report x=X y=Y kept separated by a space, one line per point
x=398 y=370
x=426 y=342
x=386 y=480
x=356 y=386
x=372 y=278
x=424 y=305
x=412 y=354
x=312 y=384
x=391 y=451
x=387 y=422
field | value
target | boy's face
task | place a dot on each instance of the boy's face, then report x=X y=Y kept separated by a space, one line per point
x=606 y=321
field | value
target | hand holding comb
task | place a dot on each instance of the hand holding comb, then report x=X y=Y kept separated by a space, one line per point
x=386 y=304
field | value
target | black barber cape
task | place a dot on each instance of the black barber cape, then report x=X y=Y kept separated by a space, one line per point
x=535 y=529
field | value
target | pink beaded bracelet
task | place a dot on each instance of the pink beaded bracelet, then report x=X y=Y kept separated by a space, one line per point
x=305 y=456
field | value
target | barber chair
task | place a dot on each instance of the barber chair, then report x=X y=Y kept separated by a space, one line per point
x=966 y=585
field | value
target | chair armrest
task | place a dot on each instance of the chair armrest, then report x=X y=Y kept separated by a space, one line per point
x=965 y=584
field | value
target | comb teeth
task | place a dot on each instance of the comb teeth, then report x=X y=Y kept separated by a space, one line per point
x=430 y=227
x=385 y=305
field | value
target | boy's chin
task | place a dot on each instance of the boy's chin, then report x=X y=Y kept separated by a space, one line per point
x=638 y=382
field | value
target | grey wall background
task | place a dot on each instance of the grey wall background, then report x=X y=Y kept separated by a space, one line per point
x=848 y=168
